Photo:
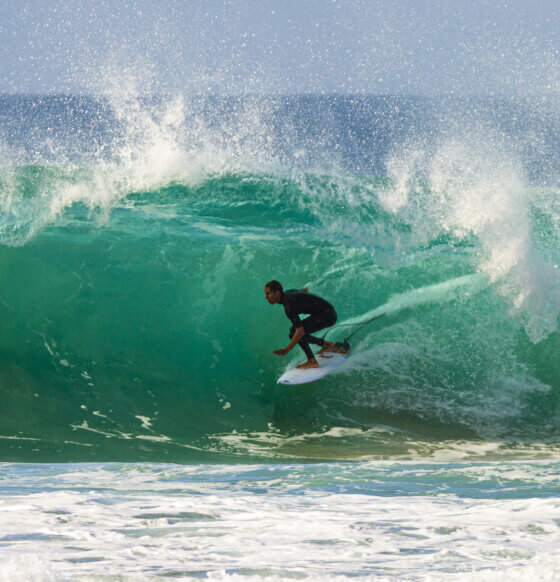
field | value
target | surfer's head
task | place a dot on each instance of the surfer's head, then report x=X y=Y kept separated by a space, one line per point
x=273 y=292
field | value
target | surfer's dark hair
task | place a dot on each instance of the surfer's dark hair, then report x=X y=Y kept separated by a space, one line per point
x=274 y=286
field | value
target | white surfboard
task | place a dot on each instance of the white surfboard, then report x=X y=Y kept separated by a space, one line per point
x=327 y=363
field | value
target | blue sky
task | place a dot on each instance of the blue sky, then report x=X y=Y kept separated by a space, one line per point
x=282 y=46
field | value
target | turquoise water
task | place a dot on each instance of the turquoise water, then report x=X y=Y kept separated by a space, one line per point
x=141 y=427
x=140 y=330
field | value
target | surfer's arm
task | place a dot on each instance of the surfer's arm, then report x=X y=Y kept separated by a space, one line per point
x=295 y=339
x=297 y=336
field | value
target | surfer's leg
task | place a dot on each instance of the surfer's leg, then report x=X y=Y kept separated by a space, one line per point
x=315 y=323
x=304 y=344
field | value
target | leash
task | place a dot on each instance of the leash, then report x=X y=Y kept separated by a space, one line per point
x=361 y=325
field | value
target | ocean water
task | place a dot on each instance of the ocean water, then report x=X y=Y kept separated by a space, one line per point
x=142 y=432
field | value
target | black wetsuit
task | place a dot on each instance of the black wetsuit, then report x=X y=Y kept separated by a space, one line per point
x=321 y=315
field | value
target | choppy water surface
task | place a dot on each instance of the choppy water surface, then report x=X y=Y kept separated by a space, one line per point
x=331 y=521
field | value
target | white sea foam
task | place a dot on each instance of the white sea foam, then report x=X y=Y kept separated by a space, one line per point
x=378 y=442
x=391 y=521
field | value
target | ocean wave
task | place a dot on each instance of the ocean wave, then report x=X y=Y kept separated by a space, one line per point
x=134 y=320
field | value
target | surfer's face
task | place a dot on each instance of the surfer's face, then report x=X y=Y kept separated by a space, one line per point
x=272 y=296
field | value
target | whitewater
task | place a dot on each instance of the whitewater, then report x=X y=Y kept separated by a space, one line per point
x=142 y=432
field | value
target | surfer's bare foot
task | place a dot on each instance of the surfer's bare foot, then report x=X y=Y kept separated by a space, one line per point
x=337 y=350
x=326 y=348
x=309 y=364
x=332 y=348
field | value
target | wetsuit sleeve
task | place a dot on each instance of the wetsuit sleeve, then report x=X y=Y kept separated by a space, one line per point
x=293 y=316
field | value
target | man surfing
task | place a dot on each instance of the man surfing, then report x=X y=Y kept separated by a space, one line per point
x=321 y=314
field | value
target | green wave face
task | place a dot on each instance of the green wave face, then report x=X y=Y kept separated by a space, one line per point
x=136 y=237
x=138 y=328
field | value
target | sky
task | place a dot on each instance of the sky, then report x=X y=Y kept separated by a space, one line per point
x=419 y=47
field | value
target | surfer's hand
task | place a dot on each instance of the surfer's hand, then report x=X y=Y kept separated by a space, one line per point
x=281 y=352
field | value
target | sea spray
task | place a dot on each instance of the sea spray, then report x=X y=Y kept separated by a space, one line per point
x=438 y=293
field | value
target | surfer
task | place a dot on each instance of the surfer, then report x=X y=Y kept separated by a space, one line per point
x=321 y=314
